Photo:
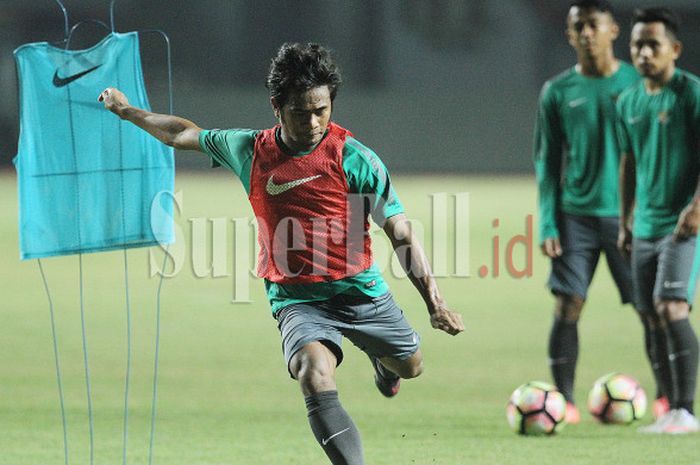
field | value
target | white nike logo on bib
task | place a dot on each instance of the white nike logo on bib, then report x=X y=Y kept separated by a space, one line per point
x=277 y=189
x=325 y=441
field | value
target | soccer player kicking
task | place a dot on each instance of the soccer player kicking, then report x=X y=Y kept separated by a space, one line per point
x=659 y=131
x=576 y=162
x=312 y=186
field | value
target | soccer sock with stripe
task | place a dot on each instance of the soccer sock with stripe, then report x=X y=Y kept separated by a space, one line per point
x=684 y=362
x=563 y=355
x=334 y=429
x=657 y=352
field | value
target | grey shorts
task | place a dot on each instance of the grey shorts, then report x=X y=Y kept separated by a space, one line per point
x=582 y=239
x=374 y=324
x=663 y=269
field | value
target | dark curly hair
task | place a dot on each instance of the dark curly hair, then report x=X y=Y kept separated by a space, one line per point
x=658 y=15
x=600 y=5
x=300 y=67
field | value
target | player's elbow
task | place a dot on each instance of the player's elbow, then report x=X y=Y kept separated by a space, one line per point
x=184 y=140
x=178 y=144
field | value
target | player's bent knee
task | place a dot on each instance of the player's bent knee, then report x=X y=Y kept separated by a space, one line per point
x=314 y=379
x=673 y=310
x=568 y=307
x=411 y=367
x=652 y=320
x=414 y=371
x=314 y=367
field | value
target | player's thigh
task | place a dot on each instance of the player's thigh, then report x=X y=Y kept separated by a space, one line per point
x=618 y=263
x=677 y=270
x=572 y=272
x=380 y=328
x=644 y=270
x=301 y=324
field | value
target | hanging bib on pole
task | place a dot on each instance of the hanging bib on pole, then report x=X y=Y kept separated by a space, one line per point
x=88 y=182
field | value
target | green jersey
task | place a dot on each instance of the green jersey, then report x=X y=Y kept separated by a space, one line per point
x=575 y=147
x=662 y=131
x=365 y=174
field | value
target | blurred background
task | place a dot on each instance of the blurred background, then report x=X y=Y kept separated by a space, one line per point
x=434 y=86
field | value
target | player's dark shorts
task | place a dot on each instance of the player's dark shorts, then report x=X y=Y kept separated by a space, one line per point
x=582 y=239
x=374 y=324
x=663 y=269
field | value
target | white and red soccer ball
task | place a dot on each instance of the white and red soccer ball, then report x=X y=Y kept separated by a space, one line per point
x=536 y=408
x=617 y=398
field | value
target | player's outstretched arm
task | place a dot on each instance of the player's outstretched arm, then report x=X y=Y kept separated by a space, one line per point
x=171 y=130
x=628 y=183
x=415 y=263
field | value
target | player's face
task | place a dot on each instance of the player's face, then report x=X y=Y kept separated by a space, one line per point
x=653 y=51
x=304 y=117
x=591 y=32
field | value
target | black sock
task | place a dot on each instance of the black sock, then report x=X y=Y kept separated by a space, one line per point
x=334 y=429
x=684 y=362
x=563 y=354
x=657 y=352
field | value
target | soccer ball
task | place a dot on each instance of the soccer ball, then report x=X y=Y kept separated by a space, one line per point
x=536 y=408
x=617 y=398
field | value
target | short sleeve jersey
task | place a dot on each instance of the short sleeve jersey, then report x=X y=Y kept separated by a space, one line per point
x=365 y=174
x=575 y=148
x=662 y=131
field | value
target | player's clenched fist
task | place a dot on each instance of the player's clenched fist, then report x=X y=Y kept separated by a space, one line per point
x=114 y=100
x=447 y=320
x=688 y=222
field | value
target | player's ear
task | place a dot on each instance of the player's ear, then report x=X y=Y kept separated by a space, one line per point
x=615 y=29
x=275 y=107
x=570 y=37
x=677 y=49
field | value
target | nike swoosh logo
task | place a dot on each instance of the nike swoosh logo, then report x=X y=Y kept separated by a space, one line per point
x=277 y=189
x=634 y=119
x=325 y=441
x=60 y=82
x=577 y=102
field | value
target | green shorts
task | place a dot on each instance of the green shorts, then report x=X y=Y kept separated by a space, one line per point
x=376 y=325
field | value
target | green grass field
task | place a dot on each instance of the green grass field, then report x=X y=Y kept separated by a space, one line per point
x=224 y=393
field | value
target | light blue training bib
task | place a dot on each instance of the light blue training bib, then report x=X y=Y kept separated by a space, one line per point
x=88 y=182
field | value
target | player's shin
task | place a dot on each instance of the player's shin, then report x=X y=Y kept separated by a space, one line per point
x=684 y=357
x=657 y=353
x=334 y=429
x=563 y=355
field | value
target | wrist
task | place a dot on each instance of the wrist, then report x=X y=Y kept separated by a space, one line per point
x=125 y=112
x=435 y=305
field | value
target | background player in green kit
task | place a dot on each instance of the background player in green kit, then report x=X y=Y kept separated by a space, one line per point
x=576 y=163
x=659 y=130
x=303 y=173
